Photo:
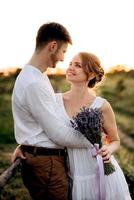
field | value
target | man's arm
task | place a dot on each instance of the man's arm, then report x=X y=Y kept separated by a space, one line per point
x=41 y=104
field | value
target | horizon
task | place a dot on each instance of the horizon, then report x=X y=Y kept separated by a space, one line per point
x=62 y=71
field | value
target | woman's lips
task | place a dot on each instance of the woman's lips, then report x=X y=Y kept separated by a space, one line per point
x=71 y=73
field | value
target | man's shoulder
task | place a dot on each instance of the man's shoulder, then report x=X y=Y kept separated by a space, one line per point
x=29 y=75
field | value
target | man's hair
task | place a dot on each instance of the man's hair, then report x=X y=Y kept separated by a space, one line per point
x=52 y=31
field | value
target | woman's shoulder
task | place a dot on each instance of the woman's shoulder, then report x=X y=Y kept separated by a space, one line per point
x=105 y=104
x=102 y=102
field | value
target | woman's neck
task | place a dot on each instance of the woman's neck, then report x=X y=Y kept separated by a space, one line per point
x=76 y=98
x=78 y=92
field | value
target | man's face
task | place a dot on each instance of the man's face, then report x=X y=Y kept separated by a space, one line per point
x=58 y=54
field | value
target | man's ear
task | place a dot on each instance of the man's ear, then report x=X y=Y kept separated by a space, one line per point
x=52 y=46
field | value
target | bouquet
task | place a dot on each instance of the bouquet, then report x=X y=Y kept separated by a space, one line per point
x=89 y=122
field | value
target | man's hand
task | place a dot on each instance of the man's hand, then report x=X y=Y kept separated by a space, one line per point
x=105 y=153
x=17 y=154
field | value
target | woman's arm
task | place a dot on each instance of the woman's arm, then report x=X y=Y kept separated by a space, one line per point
x=110 y=128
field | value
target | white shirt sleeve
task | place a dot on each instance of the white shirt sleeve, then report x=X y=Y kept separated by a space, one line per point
x=41 y=104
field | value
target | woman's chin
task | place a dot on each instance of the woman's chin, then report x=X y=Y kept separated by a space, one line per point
x=70 y=80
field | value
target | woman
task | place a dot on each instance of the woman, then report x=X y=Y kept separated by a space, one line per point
x=83 y=73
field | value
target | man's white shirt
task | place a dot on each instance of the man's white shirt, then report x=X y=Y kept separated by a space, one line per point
x=37 y=121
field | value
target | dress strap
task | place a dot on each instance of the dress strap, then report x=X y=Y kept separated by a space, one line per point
x=98 y=102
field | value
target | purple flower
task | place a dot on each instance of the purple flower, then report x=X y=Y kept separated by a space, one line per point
x=89 y=122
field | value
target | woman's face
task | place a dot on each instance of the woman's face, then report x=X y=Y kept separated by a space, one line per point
x=75 y=72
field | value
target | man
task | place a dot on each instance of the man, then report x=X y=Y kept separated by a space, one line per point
x=38 y=126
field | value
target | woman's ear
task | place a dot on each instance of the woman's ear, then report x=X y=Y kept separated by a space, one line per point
x=91 y=76
x=52 y=46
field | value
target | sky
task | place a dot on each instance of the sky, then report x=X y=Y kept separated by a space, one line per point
x=102 y=27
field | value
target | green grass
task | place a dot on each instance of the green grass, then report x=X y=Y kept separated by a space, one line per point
x=14 y=189
x=6 y=122
x=117 y=89
x=125 y=159
x=125 y=123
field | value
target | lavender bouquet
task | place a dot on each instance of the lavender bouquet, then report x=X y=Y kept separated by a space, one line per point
x=89 y=122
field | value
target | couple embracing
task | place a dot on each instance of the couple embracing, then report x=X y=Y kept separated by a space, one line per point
x=43 y=129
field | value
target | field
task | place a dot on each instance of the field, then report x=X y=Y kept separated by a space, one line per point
x=117 y=88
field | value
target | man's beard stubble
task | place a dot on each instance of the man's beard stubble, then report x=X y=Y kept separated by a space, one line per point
x=54 y=60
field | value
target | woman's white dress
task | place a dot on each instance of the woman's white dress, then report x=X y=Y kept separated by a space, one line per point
x=83 y=168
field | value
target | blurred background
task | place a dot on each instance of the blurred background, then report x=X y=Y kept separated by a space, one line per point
x=117 y=88
x=101 y=27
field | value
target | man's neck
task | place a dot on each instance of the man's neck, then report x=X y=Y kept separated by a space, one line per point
x=38 y=62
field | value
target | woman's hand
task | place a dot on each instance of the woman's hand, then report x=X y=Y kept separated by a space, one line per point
x=105 y=153
x=17 y=154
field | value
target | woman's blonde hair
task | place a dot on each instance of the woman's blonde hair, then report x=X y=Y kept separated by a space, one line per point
x=91 y=63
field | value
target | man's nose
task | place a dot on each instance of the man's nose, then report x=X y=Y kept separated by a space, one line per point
x=62 y=58
x=71 y=67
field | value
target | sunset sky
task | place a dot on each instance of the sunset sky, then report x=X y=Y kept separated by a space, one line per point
x=103 y=27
